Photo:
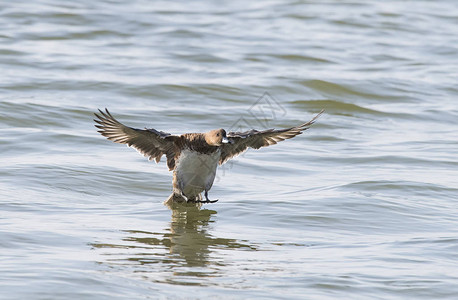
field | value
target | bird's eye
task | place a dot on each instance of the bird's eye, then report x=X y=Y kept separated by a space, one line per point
x=217 y=134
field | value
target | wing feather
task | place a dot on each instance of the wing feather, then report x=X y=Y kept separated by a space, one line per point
x=151 y=143
x=241 y=141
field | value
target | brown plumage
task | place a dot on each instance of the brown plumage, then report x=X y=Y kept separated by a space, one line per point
x=257 y=139
x=192 y=157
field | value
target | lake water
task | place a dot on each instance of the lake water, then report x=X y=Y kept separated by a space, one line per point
x=361 y=206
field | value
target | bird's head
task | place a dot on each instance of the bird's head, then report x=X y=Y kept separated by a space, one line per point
x=216 y=137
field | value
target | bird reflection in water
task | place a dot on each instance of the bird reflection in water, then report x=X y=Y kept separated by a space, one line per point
x=185 y=249
x=189 y=237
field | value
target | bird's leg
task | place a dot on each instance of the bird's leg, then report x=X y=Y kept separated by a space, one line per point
x=207 y=200
x=187 y=200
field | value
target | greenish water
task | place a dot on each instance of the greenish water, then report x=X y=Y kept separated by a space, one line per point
x=361 y=206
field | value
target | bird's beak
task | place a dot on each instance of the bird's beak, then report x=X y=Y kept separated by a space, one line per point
x=225 y=140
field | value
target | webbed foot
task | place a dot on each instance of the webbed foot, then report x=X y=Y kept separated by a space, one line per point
x=207 y=200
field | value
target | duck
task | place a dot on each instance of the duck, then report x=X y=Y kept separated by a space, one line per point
x=192 y=157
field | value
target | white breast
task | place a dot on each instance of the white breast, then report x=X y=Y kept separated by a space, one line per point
x=196 y=171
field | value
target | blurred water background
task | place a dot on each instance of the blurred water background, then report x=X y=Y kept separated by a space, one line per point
x=361 y=206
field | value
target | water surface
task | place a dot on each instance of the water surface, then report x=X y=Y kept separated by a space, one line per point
x=361 y=206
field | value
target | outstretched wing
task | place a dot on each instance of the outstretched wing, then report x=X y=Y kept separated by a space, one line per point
x=149 y=142
x=240 y=141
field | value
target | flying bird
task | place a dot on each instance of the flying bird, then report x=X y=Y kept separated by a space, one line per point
x=193 y=157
